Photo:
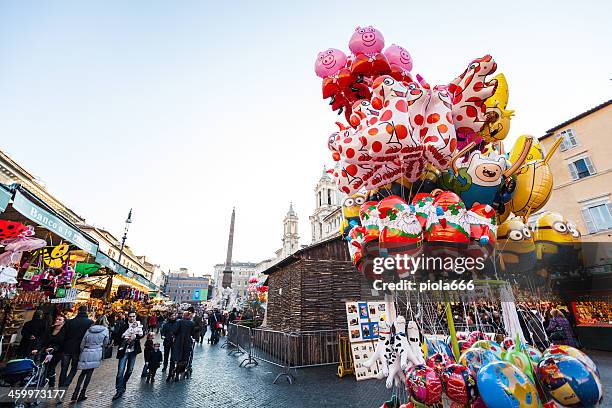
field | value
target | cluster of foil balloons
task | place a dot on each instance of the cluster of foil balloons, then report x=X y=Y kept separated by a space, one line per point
x=429 y=223
x=256 y=290
x=397 y=123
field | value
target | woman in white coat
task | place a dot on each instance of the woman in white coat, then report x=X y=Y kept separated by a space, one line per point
x=92 y=351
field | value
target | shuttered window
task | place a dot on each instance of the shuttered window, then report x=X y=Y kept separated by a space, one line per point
x=581 y=168
x=597 y=217
x=569 y=139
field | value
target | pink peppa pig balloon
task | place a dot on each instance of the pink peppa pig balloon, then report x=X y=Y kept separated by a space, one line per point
x=399 y=57
x=329 y=62
x=366 y=40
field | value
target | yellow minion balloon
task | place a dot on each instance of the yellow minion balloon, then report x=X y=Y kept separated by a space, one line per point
x=350 y=212
x=534 y=180
x=515 y=246
x=554 y=241
x=498 y=122
x=577 y=240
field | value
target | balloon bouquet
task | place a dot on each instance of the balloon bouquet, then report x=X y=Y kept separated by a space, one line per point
x=424 y=168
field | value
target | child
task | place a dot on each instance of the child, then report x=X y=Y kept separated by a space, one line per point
x=155 y=360
x=148 y=349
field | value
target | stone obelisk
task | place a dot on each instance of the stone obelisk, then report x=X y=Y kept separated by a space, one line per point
x=227 y=271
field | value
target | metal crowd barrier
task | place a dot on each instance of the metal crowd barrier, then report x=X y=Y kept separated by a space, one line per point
x=289 y=351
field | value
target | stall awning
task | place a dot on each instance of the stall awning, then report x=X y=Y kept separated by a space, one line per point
x=53 y=223
x=111 y=264
x=114 y=266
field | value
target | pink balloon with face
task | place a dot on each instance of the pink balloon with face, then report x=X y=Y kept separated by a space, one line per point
x=366 y=40
x=329 y=62
x=397 y=55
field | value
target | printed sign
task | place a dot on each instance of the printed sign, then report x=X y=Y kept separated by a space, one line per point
x=52 y=223
x=70 y=296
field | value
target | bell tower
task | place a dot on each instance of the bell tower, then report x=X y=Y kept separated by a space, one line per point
x=290 y=232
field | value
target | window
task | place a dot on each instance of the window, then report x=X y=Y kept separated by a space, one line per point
x=581 y=168
x=569 y=139
x=597 y=217
x=329 y=197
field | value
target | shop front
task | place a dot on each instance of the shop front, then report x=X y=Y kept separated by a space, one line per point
x=48 y=263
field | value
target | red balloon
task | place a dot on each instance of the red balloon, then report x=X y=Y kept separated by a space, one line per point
x=439 y=361
x=424 y=384
x=460 y=384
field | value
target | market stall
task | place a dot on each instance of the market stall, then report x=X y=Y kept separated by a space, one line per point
x=48 y=263
x=438 y=222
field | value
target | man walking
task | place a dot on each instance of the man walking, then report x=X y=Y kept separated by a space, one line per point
x=75 y=330
x=167 y=334
x=127 y=352
x=198 y=321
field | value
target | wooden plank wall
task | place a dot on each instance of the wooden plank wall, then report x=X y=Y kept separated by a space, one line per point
x=315 y=289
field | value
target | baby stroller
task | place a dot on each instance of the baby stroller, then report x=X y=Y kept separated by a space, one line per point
x=23 y=373
x=184 y=369
x=215 y=333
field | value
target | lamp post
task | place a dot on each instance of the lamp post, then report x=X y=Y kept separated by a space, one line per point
x=128 y=221
x=109 y=282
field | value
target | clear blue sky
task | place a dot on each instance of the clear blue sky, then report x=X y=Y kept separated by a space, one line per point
x=184 y=109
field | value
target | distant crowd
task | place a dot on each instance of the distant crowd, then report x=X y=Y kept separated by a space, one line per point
x=81 y=344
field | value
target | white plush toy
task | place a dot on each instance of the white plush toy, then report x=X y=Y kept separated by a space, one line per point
x=395 y=352
x=414 y=340
x=402 y=346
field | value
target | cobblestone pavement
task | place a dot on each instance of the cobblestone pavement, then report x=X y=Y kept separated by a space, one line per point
x=218 y=382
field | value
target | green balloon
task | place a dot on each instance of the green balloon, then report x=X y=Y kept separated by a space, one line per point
x=520 y=360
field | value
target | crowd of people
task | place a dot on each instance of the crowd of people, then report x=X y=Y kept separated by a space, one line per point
x=81 y=344
x=542 y=323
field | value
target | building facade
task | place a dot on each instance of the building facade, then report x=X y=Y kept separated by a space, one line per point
x=241 y=271
x=326 y=218
x=11 y=172
x=582 y=171
x=182 y=287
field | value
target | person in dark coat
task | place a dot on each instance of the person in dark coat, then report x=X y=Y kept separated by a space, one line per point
x=75 y=331
x=167 y=334
x=53 y=345
x=155 y=360
x=32 y=335
x=184 y=334
x=126 y=353
x=118 y=328
x=215 y=320
x=92 y=351
x=560 y=330
x=148 y=349
x=199 y=325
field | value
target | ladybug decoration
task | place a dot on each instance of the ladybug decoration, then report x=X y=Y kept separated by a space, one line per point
x=11 y=229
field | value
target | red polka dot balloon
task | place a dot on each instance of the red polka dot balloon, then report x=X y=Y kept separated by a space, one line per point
x=10 y=229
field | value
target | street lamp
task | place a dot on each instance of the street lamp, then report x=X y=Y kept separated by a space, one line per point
x=128 y=221
x=109 y=282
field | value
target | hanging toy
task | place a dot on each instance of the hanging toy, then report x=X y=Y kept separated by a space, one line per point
x=384 y=337
x=55 y=257
x=497 y=116
x=350 y=212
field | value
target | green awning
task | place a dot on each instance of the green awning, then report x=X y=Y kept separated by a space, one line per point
x=53 y=223
x=5 y=197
